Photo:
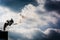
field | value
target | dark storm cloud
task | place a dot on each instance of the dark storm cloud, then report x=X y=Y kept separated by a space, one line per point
x=52 y=5
x=17 y=4
x=53 y=35
x=58 y=23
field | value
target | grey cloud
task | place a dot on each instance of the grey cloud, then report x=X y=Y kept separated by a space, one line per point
x=58 y=23
x=16 y=36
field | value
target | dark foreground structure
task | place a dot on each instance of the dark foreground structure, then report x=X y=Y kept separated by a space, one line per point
x=3 y=35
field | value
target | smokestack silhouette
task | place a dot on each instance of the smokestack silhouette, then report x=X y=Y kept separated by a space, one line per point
x=9 y=22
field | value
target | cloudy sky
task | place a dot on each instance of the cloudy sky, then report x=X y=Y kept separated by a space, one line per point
x=33 y=19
